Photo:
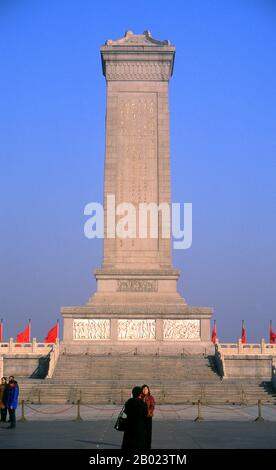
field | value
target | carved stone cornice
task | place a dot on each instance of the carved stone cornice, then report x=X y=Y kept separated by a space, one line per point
x=137 y=57
x=138 y=70
x=138 y=311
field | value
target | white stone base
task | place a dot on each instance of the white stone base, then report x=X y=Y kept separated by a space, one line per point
x=152 y=330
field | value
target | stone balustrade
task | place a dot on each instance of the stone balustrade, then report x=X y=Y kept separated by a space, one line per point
x=246 y=349
x=54 y=354
x=251 y=360
x=274 y=376
x=33 y=348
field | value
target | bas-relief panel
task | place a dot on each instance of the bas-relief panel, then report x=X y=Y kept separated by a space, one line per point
x=181 y=329
x=95 y=329
x=136 y=329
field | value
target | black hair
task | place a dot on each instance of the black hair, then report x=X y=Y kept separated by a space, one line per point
x=136 y=391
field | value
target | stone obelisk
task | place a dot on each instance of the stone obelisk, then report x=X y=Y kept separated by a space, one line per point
x=136 y=302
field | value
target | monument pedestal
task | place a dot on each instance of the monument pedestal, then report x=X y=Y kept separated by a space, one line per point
x=140 y=311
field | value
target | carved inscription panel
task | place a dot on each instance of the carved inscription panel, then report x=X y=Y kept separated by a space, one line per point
x=137 y=175
x=137 y=285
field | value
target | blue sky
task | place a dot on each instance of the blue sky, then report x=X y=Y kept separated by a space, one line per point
x=223 y=147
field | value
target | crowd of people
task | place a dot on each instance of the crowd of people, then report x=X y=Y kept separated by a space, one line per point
x=139 y=411
x=9 y=392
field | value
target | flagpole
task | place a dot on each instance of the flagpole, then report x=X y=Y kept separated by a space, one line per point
x=30 y=331
x=58 y=328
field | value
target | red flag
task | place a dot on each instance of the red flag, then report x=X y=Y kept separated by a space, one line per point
x=243 y=337
x=272 y=335
x=24 y=336
x=214 y=333
x=1 y=331
x=52 y=334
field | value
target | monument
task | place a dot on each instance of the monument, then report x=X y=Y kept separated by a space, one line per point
x=136 y=303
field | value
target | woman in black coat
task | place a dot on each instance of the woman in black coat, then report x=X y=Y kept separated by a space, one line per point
x=136 y=411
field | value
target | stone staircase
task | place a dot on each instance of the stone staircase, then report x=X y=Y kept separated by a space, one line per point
x=172 y=379
x=137 y=368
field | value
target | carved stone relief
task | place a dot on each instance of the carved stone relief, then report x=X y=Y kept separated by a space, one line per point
x=136 y=329
x=91 y=329
x=181 y=329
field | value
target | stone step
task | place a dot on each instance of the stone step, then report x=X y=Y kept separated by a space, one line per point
x=50 y=393
x=110 y=379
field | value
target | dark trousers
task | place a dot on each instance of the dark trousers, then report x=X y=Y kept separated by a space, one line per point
x=12 y=417
x=148 y=432
x=3 y=414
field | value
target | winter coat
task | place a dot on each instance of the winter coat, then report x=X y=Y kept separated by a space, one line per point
x=3 y=395
x=135 y=433
x=12 y=395
x=150 y=402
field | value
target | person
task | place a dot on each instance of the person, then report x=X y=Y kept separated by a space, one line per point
x=3 y=398
x=136 y=412
x=150 y=402
x=11 y=401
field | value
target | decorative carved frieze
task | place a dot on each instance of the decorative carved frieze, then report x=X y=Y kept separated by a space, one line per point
x=137 y=285
x=181 y=329
x=138 y=70
x=95 y=329
x=136 y=329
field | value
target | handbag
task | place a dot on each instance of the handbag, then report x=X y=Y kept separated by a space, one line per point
x=120 y=424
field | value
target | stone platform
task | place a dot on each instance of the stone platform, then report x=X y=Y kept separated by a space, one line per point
x=173 y=428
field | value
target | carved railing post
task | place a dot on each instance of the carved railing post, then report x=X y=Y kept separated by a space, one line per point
x=240 y=348
x=1 y=366
x=263 y=348
x=34 y=345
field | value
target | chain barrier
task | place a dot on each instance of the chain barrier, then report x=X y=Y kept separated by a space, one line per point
x=100 y=409
x=181 y=354
x=50 y=412
x=175 y=411
x=240 y=407
x=199 y=405
x=271 y=406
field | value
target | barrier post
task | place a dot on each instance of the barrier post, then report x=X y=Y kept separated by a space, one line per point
x=199 y=415
x=259 y=417
x=243 y=397
x=78 y=418
x=22 y=419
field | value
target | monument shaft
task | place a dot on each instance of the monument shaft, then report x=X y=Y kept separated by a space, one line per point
x=137 y=158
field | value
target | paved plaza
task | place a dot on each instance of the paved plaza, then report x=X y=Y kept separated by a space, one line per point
x=223 y=427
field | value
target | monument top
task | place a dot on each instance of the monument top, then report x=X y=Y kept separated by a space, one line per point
x=137 y=57
x=131 y=39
